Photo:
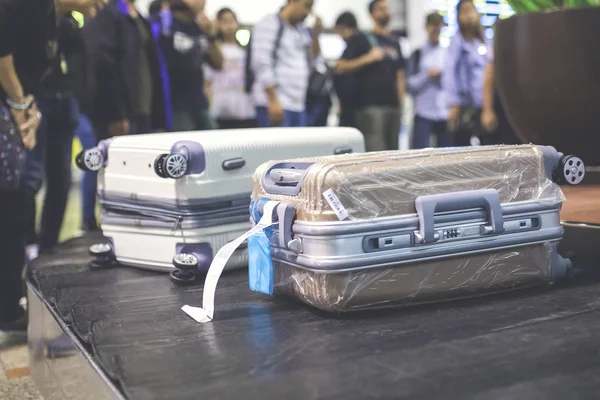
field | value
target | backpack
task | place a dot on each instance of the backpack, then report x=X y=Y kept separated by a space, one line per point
x=250 y=78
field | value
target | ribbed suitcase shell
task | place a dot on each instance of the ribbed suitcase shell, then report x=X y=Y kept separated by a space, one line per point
x=130 y=171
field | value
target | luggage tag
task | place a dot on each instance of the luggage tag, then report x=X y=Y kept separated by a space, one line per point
x=205 y=313
x=260 y=263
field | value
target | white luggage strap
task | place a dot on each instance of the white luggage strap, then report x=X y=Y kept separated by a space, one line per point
x=205 y=313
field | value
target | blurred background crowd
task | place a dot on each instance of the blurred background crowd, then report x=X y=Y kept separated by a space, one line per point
x=169 y=66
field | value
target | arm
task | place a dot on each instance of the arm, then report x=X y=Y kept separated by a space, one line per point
x=263 y=42
x=489 y=119
x=401 y=86
x=214 y=55
x=10 y=81
x=357 y=56
x=415 y=79
x=449 y=74
x=27 y=121
x=208 y=79
x=315 y=48
x=400 y=76
x=488 y=88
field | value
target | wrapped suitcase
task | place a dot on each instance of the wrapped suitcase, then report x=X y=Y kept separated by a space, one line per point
x=169 y=200
x=389 y=228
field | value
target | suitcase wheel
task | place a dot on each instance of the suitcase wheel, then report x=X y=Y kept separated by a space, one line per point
x=186 y=262
x=187 y=265
x=101 y=250
x=103 y=254
x=159 y=166
x=571 y=170
x=90 y=159
x=175 y=166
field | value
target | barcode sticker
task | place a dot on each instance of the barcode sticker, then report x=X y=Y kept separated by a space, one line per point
x=336 y=204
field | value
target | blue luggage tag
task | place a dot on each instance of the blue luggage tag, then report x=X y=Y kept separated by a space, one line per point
x=260 y=264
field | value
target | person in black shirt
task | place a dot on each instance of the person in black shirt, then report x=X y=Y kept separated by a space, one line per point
x=185 y=40
x=132 y=94
x=25 y=56
x=50 y=161
x=377 y=62
x=345 y=85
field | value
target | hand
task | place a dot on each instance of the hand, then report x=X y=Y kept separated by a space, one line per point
x=27 y=122
x=207 y=26
x=489 y=120
x=454 y=118
x=375 y=55
x=118 y=128
x=275 y=112
x=318 y=27
x=435 y=74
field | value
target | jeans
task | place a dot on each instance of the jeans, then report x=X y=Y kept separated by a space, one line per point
x=423 y=128
x=85 y=133
x=50 y=160
x=13 y=214
x=290 y=118
x=381 y=127
x=185 y=120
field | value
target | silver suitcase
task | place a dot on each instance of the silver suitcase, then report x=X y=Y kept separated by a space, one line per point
x=391 y=228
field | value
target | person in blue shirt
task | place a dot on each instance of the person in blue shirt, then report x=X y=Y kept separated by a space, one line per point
x=424 y=73
x=463 y=76
x=187 y=39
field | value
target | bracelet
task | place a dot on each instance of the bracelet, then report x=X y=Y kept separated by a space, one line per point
x=17 y=106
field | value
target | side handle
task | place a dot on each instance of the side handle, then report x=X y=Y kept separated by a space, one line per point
x=285 y=178
x=427 y=206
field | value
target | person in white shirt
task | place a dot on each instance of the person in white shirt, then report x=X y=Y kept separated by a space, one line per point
x=230 y=105
x=423 y=80
x=281 y=48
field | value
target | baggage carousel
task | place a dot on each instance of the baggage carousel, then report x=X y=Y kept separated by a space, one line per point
x=119 y=333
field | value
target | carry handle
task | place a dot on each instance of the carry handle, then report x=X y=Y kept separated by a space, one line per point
x=285 y=178
x=427 y=206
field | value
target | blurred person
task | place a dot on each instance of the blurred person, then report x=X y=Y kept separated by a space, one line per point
x=188 y=40
x=423 y=80
x=377 y=62
x=50 y=161
x=281 y=53
x=494 y=121
x=158 y=6
x=132 y=94
x=230 y=104
x=463 y=76
x=25 y=57
x=345 y=85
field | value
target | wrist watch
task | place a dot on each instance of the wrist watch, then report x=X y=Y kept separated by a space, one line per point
x=22 y=106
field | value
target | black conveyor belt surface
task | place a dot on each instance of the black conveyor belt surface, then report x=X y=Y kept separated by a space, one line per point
x=540 y=343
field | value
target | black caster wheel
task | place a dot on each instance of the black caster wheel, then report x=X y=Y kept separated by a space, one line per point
x=90 y=159
x=570 y=171
x=172 y=166
x=159 y=165
x=103 y=256
x=187 y=265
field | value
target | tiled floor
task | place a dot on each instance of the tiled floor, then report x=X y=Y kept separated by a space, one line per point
x=15 y=379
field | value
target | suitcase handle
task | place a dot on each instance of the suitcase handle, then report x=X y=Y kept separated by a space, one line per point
x=285 y=178
x=427 y=206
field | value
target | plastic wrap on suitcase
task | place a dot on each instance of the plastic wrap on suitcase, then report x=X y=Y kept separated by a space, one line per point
x=393 y=228
x=375 y=185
